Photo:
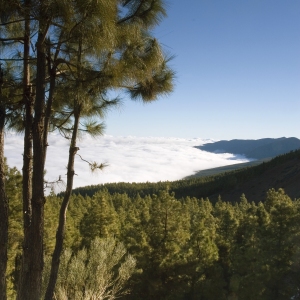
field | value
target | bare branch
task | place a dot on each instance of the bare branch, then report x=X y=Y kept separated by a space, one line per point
x=12 y=39
x=16 y=59
x=16 y=21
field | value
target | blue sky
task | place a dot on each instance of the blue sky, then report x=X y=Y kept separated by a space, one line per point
x=238 y=73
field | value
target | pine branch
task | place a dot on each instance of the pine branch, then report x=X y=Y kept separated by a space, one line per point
x=94 y=165
x=132 y=15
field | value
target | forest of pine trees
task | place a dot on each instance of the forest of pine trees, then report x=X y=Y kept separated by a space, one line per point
x=184 y=248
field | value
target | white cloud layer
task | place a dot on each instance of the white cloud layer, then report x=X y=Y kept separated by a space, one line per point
x=130 y=159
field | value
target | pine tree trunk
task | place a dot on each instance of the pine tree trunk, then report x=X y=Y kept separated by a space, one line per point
x=70 y=178
x=3 y=204
x=60 y=233
x=38 y=198
x=32 y=265
x=27 y=154
x=48 y=111
x=27 y=191
x=27 y=160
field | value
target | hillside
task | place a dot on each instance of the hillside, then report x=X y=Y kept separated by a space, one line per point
x=281 y=172
x=285 y=175
x=257 y=149
x=228 y=168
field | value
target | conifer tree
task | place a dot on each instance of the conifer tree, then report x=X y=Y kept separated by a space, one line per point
x=99 y=221
x=134 y=222
x=202 y=250
x=227 y=226
x=247 y=280
x=168 y=232
x=130 y=58
x=278 y=246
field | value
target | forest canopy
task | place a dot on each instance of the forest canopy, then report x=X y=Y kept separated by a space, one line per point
x=184 y=249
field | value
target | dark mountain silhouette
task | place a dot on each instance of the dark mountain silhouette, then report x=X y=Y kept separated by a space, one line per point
x=256 y=149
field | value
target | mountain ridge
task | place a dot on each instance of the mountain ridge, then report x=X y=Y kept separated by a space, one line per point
x=254 y=149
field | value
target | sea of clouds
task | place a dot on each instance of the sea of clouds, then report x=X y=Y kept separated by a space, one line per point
x=129 y=159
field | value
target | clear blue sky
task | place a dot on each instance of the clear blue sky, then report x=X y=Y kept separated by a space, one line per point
x=238 y=73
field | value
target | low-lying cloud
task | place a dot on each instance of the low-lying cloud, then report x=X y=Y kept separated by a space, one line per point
x=129 y=159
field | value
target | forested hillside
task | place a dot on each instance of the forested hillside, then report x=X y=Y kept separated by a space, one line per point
x=184 y=249
x=228 y=168
x=280 y=172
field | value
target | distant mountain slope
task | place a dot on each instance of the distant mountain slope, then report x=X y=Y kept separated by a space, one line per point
x=280 y=172
x=228 y=168
x=285 y=174
x=257 y=149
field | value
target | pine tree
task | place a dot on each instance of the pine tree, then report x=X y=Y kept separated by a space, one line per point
x=168 y=232
x=278 y=246
x=100 y=220
x=202 y=251
x=226 y=230
x=115 y=38
x=248 y=279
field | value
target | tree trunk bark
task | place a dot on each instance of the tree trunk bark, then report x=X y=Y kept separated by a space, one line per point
x=60 y=233
x=3 y=203
x=32 y=266
x=27 y=155
x=48 y=109
x=70 y=178
x=27 y=193
x=38 y=199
